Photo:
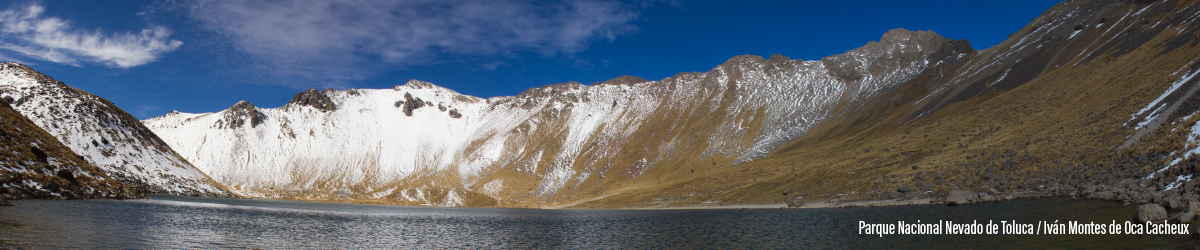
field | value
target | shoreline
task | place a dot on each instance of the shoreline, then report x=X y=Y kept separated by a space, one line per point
x=1133 y=194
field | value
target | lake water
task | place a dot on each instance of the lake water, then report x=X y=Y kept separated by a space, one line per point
x=188 y=222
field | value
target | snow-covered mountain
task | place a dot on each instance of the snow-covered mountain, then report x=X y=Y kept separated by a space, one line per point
x=103 y=134
x=35 y=165
x=426 y=144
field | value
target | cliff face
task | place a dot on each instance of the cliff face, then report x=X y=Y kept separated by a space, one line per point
x=103 y=134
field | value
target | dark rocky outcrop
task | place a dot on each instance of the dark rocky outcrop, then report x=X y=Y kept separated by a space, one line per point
x=411 y=103
x=241 y=113
x=317 y=99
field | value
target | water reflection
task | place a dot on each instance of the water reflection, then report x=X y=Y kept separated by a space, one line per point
x=186 y=222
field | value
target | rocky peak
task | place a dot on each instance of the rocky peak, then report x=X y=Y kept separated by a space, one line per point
x=316 y=99
x=20 y=70
x=239 y=114
x=418 y=84
x=550 y=90
x=624 y=80
x=897 y=48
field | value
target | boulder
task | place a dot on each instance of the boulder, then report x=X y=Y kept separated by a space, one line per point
x=984 y=197
x=904 y=189
x=4 y=202
x=1187 y=217
x=1151 y=212
x=1194 y=206
x=959 y=197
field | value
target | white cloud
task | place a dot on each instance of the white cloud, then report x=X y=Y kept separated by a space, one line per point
x=323 y=40
x=26 y=31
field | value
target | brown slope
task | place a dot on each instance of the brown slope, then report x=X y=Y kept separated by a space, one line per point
x=1052 y=125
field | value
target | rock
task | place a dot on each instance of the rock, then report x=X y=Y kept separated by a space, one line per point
x=1151 y=212
x=984 y=197
x=4 y=202
x=959 y=197
x=1187 y=217
x=1173 y=204
x=1174 y=218
x=240 y=113
x=1194 y=206
x=411 y=103
x=1088 y=190
x=1156 y=198
x=904 y=189
x=317 y=99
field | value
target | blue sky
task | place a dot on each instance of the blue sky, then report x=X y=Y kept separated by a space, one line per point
x=153 y=56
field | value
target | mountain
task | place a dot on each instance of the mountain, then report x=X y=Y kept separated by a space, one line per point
x=1093 y=99
x=35 y=165
x=425 y=144
x=103 y=134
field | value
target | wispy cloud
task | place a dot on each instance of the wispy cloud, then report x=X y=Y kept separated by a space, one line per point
x=27 y=31
x=147 y=110
x=315 y=41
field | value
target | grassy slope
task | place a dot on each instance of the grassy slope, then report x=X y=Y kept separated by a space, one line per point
x=1060 y=129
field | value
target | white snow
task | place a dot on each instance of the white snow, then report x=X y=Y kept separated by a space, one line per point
x=566 y=121
x=1157 y=104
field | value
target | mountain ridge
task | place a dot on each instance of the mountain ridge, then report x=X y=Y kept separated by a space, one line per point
x=558 y=136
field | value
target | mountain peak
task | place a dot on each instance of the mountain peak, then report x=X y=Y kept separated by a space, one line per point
x=240 y=113
x=243 y=104
x=418 y=84
x=12 y=73
x=623 y=80
x=897 y=47
x=317 y=99
x=550 y=90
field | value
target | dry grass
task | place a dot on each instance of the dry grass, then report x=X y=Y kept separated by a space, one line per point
x=1062 y=127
